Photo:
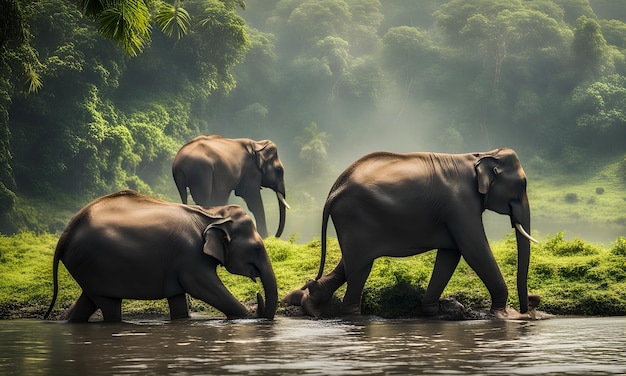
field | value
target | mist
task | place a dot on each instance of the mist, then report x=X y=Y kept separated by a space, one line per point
x=547 y=79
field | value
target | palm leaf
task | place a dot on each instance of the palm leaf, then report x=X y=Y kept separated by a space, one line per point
x=127 y=22
x=33 y=80
x=173 y=20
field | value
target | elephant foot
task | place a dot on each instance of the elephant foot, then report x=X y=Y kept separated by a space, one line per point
x=351 y=309
x=182 y=316
x=429 y=309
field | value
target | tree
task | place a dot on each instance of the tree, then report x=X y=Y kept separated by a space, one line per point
x=313 y=147
x=589 y=48
x=600 y=110
x=511 y=32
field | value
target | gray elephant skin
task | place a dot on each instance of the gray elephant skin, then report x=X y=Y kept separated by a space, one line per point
x=213 y=166
x=130 y=246
x=389 y=204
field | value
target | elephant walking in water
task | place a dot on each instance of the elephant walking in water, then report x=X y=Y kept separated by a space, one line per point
x=389 y=204
x=131 y=246
x=213 y=166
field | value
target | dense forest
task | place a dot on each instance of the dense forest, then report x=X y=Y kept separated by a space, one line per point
x=85 y=111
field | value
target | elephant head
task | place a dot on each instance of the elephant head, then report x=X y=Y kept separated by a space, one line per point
x=502 y=182
x=272 y=175
x=234 y=242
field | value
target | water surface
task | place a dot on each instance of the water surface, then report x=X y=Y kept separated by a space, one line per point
x=286 y=346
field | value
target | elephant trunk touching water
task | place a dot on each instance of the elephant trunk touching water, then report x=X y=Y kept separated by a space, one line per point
x=520 y=218
x=388 y=204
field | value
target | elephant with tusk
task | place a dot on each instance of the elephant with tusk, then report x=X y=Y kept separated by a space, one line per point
x=388 y=204
x=213 y=166
x=130 y=246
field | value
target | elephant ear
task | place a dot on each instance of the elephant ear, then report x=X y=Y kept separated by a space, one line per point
x=259 y=152
x=216 y=238
x=486 y=171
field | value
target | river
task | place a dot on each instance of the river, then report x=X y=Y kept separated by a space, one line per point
x=286 y=346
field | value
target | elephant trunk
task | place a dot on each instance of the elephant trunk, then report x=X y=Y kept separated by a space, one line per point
x=282 y=206
x=520 y=219
x=268 y=279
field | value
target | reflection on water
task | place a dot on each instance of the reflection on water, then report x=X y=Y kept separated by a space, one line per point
x=577 y=346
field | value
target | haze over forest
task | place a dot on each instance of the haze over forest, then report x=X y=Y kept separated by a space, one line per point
x=327 y=80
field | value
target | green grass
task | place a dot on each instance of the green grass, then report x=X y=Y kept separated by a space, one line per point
x=572 y=276
x=597 y=195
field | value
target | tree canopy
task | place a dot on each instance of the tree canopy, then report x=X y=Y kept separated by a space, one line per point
x=99 y=95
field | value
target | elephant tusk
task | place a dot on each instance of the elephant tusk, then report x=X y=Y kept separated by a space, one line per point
x=523 y=232
x=281 y=198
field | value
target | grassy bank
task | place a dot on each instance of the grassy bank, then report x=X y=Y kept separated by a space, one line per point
x=572 y=277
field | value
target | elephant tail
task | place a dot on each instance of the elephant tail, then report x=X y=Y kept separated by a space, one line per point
x=325 y=216
x=58 y=253
x=55 y=278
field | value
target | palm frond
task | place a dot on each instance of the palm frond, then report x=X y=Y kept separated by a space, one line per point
x=33 y=80
x=128 y=23
x=173 y=20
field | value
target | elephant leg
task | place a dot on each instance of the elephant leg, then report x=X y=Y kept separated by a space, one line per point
x=111 y=308
x=201 y=190
x=254 y=202
x=487 y=270
x=356 y=279
x=212 y=291
x=322 y=290
x=178 y=307
x=475 y=249
x=82 y=309
x=445 y=264
x=315 y=293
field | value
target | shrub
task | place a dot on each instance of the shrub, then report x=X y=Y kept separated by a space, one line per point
x=558 y=246
x=599 y=190
x=619 y=248
x=399 y=300
x=571 y=198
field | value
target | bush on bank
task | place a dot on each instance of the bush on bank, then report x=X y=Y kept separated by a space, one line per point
x=573 y=277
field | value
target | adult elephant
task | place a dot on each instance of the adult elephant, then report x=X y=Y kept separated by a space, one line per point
x=130 y=246
x=213 y=166
x=389 y=204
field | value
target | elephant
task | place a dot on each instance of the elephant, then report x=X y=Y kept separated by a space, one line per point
x=213 y=166
x=130 y=246
x=388 y=204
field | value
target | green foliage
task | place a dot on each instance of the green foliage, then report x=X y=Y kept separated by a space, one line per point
x=25 y=266
x=561 y=247
x=572 y=277
x=126 y=22
x=619 y=249
x=174 y=20
x=575 y=277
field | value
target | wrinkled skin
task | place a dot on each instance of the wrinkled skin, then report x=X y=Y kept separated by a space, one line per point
x=131 y=246
x=213 y=166
x=404 y=204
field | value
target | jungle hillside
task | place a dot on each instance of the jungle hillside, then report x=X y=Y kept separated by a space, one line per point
x=98 y=96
